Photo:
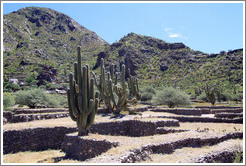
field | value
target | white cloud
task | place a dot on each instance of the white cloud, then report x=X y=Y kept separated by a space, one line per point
x=175 y=35
x=171 y=34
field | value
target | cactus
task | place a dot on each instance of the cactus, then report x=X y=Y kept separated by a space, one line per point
x=82 y=102
x=210 y=93
x=110 y=88
x=133 y=87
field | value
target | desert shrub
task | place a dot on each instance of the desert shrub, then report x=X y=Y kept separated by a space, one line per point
x=51 y=86
x=9 y=87
x=34 y=97
x=237 y=97
x=202 y=96
x=171 y=97
x=223 y=96
x=8 y=100
x=238 y=156
x=147 y=93
x=61 y=99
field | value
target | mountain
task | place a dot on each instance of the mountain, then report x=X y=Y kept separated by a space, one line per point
x=37 y=38
x=158 y=63
x=41 y=43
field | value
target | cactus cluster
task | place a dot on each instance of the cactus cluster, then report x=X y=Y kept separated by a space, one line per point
x=82 y=101
x=114 y=94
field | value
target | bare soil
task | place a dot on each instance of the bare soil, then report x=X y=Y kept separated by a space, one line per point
x=183 y=155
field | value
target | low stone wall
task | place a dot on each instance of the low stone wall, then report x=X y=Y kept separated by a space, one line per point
x=143 y=153
x=192 y=111
x=8 y=116
x=226 y=156
x=80 y=148
x=161 y=130
x=133 y=109
x=30 y=117
x=236 y=110
x=35 y=111
x=51 y=138
x=133 y=128
x=228 y=115
x=34 y=139
x=203 y=119
x=26 y=115
x=216 y=107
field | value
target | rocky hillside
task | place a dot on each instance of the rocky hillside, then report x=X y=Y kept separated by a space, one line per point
x=41 y=43
x=35 y=39
x=159 y=63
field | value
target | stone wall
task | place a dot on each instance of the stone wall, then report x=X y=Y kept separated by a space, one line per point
x=225 y=156
x=143 y=153
x=133 y=128
x=35 y=111
x=216 y=107
x=132 y=109
x=236 y=110
x=228 y=115
x=12 y=118
x=81 y=148
x=203 y=119
x=34 y=139
x=51 y=138
x=192 y=111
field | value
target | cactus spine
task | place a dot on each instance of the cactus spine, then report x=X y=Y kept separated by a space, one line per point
x=110 y=88
x=82 y=102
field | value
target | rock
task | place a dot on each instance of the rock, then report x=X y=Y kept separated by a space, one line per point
x=163 y=66
x=14 y=81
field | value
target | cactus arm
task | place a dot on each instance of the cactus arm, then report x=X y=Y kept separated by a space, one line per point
x=70 y=107
x=76 y=72
x=79 y=72
x=84 y=89
x=88 y=82
x=111 y=92
x=91 y=116
x=72 y=93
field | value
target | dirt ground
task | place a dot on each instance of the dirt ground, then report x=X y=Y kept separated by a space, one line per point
x=183 y=155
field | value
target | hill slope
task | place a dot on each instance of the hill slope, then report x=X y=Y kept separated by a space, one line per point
x=159 y=63
x=37 y=37
x=40 y=39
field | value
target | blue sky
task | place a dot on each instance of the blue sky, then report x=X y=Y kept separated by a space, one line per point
x=207 y=27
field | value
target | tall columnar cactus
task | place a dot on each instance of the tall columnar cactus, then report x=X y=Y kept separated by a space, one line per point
x=82 y=102
x=109 y=88
x=133 y=87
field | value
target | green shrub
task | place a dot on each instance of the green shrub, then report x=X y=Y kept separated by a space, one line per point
x=147 y=93
x=9 y=87
x=237 y=97
x=171 y=97
x=34 y=97
x=203 y=97
x=8 y=100
x=61 y=99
